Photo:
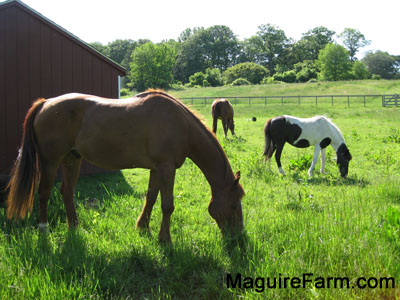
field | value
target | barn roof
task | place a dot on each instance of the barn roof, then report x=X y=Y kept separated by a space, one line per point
x=61 y=30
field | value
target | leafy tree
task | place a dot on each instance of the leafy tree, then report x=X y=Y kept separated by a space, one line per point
x=353 y=41
x=334 y=62
x=313 y=41
x=268 y=46
x=252 y=72
x=151 y=66
x=214 y=47
x=360 y=70
x=103 y=49
x=381 y=63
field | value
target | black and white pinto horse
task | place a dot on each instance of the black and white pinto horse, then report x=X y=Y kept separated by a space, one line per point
x=301 y=133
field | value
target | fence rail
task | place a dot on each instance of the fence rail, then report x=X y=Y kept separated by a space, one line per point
x=386 y=99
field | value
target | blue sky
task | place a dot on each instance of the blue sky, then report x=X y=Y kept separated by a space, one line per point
x=105 y=21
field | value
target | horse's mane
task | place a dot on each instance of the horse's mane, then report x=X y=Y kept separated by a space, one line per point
x=199 y=119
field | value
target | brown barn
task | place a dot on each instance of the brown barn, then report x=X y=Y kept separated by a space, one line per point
x=38 y=58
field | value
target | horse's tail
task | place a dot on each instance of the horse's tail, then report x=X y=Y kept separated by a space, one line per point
x=269 y=142
x=25 y=174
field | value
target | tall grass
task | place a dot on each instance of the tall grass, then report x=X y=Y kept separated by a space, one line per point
x=324 y=225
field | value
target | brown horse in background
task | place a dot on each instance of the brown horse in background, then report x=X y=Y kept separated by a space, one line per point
x=151 y=130
x=222 y=109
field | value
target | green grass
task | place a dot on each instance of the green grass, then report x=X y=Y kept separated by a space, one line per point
x=325 y=225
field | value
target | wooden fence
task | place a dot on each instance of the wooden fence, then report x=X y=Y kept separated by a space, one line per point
x=317 y=99
x=391 y=100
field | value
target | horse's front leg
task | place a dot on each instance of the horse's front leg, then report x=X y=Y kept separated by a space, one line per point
x=166 y=178
x=323 y=159
x=315 y=159
x=151 y=197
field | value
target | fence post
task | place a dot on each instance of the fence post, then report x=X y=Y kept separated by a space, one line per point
x=265 y=101
x=282 y=100
x=235 y=101
x=332 y=100
x=348 y=101
x=249 y=101
x=316 y=100
x=383 y=100
x=205 y=100
x=364 y=101
x=299 y=100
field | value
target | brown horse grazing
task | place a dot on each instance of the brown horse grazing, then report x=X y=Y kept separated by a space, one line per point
x=151 y=130
x=222 y=109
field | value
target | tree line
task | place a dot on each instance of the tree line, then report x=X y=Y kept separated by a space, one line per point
x=214 y=56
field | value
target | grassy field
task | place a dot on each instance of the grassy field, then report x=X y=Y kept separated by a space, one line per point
x=295 y=225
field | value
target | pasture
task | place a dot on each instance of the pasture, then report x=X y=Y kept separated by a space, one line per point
x=325 y=225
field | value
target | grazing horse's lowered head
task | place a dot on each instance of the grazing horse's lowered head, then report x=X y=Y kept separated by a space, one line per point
x=226 y=207
x=222 y=109
x=318 y=131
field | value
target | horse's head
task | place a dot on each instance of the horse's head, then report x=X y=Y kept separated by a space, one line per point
x=343 y=159
x=226 y=207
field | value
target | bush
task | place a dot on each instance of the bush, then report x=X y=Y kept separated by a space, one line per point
x=212 y=77
x=288 y=76
x=240 y=81
x=197 y=79
x=267 y=80
x=124 y=92
x=252 y=72
x=376 y=77
x=305 y=71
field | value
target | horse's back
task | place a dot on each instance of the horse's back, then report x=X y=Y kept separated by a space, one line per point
x=114 y=134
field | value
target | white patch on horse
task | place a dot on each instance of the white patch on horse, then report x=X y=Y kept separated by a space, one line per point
x=315 y=129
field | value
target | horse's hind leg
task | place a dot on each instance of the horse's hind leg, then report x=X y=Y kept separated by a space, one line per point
x=166 y=178
x=47 y=177
x=225 y=125
x=151 y=197
x=70 y=173
x=231 y=125
x=278 y=153
x=215 y=124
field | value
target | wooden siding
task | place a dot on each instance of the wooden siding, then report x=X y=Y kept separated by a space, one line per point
x=38 y=59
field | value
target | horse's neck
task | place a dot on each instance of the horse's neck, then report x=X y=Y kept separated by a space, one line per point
x=210 y=158
x=336 y=138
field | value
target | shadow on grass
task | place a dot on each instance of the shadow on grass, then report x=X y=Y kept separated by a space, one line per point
x=94 y=191
x=176 y=271
x=329 y=180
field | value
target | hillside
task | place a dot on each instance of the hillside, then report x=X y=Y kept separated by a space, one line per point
x=356 y=87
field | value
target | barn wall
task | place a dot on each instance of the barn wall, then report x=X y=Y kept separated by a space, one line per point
x=38 y=61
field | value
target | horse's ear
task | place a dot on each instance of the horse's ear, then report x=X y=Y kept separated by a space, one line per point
x=236 y=180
